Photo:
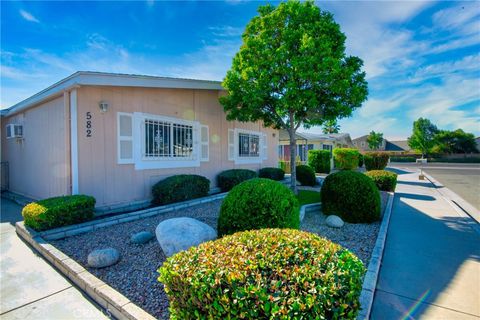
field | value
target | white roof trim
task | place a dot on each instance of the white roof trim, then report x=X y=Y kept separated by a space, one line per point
x=87 y=78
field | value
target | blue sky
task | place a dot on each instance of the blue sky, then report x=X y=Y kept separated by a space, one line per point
x=422 y=58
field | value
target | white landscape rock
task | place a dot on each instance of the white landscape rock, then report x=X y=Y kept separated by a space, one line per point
x=103 y=258
x=334 y=221
x=179 y=234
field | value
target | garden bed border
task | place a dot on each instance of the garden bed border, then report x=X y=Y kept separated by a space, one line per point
x=371 y=276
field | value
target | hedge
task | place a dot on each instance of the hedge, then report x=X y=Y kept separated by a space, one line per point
x=346 y=158
x=258 y=203
x=319 y=160
x=360 y=160
x=352 y=196
x=276 y=174
x=59 y=211
x=403 y=159
x=306 y=175
x=228 y=179
x=376 y=160
x=180 y=188
x=264 y=274
x=385 y=180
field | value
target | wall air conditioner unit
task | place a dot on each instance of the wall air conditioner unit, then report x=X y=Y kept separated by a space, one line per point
x=14 y=131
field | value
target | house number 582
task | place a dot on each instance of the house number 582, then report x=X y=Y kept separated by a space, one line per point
x=88 y=124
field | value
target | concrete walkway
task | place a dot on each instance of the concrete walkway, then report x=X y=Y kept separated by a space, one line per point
x=29 y=287
x=431 y=263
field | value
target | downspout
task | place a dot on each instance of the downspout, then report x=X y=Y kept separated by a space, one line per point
x=74 y=140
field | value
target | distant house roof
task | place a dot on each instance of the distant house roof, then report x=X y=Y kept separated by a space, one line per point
x=89 y=78
x=400 y=145
x=343 y=138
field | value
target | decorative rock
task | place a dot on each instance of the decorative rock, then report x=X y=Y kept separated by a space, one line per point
x=179 y=234
x=141 y=237
x=103 y=258
x=334 y=221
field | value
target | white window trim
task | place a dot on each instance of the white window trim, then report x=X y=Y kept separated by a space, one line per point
x=247 y=160
x=124 y=138
x=142 y=163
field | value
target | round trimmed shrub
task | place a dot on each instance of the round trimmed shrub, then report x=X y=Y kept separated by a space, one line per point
x=256 y=204
x=352 y=196
x=306 y=175
x=228 y=179
x=180 y=187
x=376 y=160
x=276 y=174
x=264 y=274
x=319 y=160
x=385 y=180
x=58 y=211
x=346 y=158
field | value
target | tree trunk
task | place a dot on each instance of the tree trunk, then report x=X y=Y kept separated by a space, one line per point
x=293 y=157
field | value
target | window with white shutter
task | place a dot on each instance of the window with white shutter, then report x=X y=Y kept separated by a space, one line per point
x=264 y=147
x=125 y=138
x=231 y=144
x=204 y=140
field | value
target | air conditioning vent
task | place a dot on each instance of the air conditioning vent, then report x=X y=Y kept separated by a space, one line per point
x=14 y=131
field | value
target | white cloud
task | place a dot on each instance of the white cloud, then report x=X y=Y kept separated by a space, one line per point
x=28 y=16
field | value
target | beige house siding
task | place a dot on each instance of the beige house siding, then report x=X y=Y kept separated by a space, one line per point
x=111 y=183
x=39 y=163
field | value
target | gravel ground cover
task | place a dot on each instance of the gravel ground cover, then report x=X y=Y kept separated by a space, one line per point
x=135 y=275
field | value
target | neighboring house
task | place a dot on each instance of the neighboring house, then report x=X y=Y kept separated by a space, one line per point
x=113 y=136
x=386 y=145
x=311 y=141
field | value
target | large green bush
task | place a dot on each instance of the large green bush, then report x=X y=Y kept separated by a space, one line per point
x=228 y=179
x=319 y=160
x=376 y=160
x=385 y=180
x=352 y=196
x=59 y=211
x=276 y=174
x=256 y=204
x=264 y=274
x=180 y=188
x=306 y=175
x=346 y=158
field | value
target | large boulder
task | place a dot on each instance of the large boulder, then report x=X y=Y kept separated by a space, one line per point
x=103 y=258
x=179 y=234
x=334 y=221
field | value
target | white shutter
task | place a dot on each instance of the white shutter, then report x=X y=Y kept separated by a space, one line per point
x=264 y=147
x=231 y=144
x=204 y=140
x=124 y=138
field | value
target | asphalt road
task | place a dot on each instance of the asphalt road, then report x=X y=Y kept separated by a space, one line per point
x=461 y=178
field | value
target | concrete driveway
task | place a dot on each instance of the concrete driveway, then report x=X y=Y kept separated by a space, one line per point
x=30 y=288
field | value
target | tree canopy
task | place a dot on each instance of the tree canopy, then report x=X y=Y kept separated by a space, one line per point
x=292 y=71
x=423 y=136
x=331 y=126
x=374 y=140
x=457 y=141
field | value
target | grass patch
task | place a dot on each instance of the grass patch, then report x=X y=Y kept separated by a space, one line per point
x=308 y=196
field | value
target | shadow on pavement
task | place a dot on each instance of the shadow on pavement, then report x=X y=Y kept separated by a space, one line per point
x=397 y=171
x=415 y=196
x=420 y=184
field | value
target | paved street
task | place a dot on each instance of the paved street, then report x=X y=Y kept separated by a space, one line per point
x=461 y=178
x=30 y=288
x=431 y=264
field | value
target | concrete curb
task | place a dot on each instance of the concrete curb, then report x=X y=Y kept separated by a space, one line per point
x=309 y=208
x=461 y=206
x=371 y=276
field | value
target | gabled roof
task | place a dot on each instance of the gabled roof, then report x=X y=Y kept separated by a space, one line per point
x=89 y=78
x=400 y=145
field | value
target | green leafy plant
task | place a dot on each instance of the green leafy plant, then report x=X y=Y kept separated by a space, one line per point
x=180 y=188
x=256 y=204
x=346 y=158
x=423 y=136
x=385 y=180
x=59 y=211
x=360 y=160
x=264 y=274
x=375 y=160
x=319 y=160
x=228 y=179
x=306 y=175
x=352 y=196
x=276 y=174
x=374 y=140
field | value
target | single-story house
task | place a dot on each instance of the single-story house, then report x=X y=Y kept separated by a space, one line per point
x=311 y=141
x=113 y=136
x=399 y=146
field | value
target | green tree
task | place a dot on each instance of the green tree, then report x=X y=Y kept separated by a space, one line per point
x=292 y=71
x=423 y=137
x=331 y=126
x=374 y=140
x=457 y=141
